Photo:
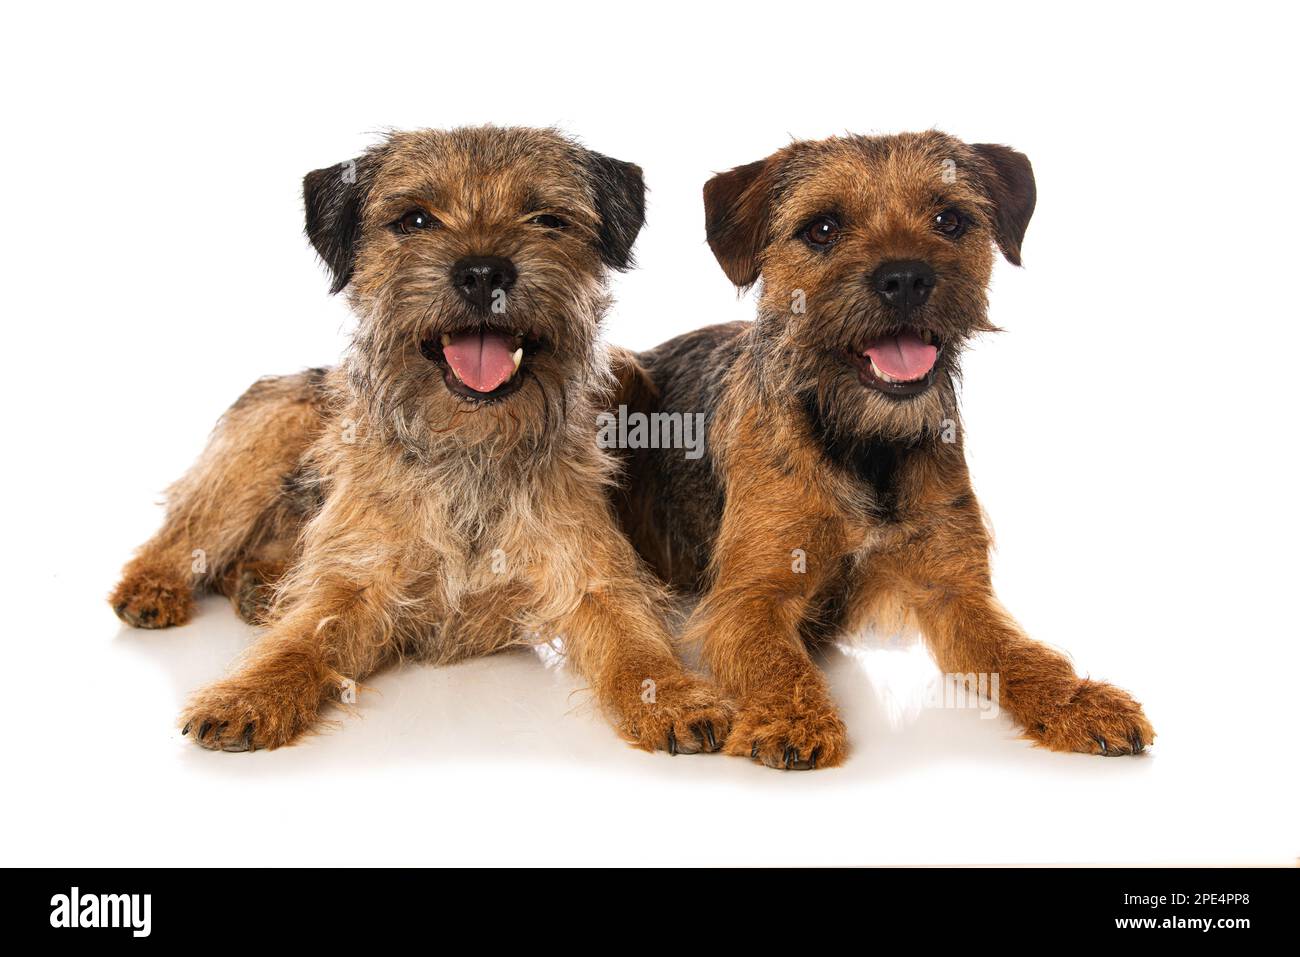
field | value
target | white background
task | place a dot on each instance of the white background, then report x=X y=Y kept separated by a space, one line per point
x=1132 y=434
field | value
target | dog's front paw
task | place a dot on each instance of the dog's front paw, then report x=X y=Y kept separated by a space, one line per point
x=683 y=714
x=1097 y=719
x=252 y=711
x=153 y=598
x=795 y=730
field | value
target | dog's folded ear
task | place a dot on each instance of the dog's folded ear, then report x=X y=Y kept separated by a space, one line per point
x=334 y=198
x=1009 y=182
x=737 y=205
x=633 y=386
x=619 y=190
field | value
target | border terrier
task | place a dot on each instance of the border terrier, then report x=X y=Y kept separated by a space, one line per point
x=439 y=494
x=834 y=492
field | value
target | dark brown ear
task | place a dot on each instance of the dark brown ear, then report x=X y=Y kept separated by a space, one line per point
x=737 y=205
x=634 y=387
x=334 y=198
x=620 y=201
x=1010 y=184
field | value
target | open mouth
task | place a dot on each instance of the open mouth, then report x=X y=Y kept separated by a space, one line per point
x=900 y=364
x=481 y=363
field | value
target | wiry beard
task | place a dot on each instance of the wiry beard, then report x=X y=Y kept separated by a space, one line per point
x=406 y=400
x=802 y=360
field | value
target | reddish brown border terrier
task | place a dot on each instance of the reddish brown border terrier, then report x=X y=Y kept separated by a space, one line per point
x=440 y=494
x=834 y=492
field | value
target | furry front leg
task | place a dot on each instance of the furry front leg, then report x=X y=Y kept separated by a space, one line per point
x=619 y=643
x=749 y=627
x=785 y=718
x=338 y=634
x=273 y=699
x=970 y=633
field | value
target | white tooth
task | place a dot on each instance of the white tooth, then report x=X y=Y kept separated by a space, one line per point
x=446 y=340
x=518 y=357
x=879 y=374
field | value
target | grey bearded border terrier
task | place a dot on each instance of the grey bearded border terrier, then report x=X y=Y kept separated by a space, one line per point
x=440 y=494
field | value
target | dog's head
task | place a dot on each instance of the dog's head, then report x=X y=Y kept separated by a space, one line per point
x=875 y=255
x=476 y=262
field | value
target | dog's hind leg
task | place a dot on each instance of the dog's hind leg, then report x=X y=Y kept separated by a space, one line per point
x=250 y=584
x=252 y=580
x=239 y=504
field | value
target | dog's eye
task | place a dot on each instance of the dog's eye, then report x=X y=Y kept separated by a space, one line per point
x=416 y=219
x=950 y=223
x=549 y=221
x=822 y=231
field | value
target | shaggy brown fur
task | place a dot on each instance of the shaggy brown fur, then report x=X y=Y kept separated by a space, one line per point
x=824 y=502
x=386 y=508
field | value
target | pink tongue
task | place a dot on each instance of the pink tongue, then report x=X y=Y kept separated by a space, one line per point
x=481 y=360
x=903 y=357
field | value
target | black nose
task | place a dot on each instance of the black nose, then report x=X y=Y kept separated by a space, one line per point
x=903 y=284
x=481 y=279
